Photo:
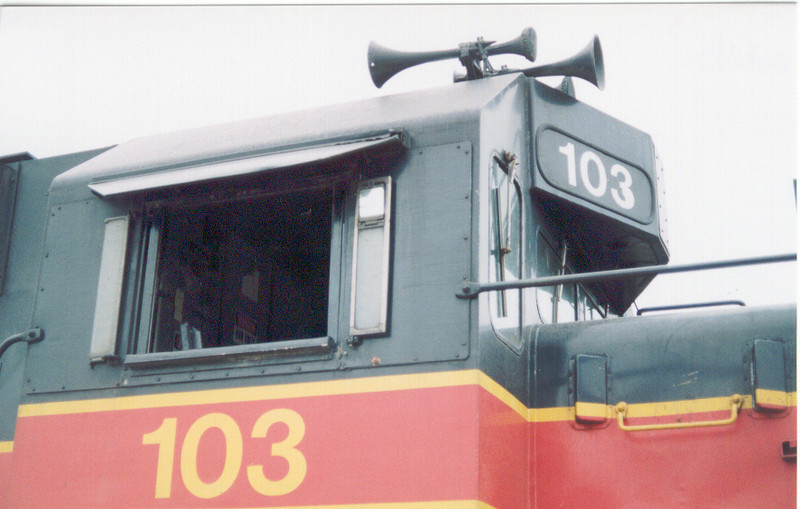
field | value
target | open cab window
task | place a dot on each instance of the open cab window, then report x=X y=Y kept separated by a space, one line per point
x=209 y=279
x=254 y=271
x=247 y=266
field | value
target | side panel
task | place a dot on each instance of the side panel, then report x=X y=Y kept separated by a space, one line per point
x=6 y=449
x=99 y=456
x=504 y=130
x=673 y=372
x=738 y=465
x=20 y=285
x=430 y=256
x=405 y=439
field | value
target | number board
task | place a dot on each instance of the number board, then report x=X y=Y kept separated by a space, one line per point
x=593 y=174
x=596 y=178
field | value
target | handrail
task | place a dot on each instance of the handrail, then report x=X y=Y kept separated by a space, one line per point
x=29 y=336
x=690 y=306
x=470 y=290
x=622 y=410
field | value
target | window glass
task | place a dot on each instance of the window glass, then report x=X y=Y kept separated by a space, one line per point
x=588 y=309
x=369 y=290
x=243 y=272
x=549 y=263
x=573 y=301
x=505 y=233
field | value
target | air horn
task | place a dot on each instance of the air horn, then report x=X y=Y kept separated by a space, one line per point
x=385 y=63
x=587 y=64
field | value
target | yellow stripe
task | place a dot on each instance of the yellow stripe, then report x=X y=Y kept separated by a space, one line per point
x=770 y=397
x=6 y=447
x=551 y=414
x=500 y=392
x=660 y=409
x=443 y=504
x=285 y=391
x=372 y=385
x=586 y=410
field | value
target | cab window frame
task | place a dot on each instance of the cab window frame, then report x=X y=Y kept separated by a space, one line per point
x=582 y=302
x=137 y=330
x=506 y=244
x=131 y=256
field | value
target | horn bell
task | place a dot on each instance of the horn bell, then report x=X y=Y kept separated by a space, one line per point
x=587 y=64
x=385 y=63
x=524 y=44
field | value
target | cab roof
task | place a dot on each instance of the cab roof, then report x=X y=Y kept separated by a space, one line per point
x=429 y=116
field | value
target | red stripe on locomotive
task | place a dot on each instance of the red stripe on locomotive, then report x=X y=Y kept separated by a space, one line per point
x=464 y=442
x=359 y=448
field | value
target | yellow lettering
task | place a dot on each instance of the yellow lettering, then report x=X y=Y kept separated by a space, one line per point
x=164 y=437
x=285 y=449
x=233 y=455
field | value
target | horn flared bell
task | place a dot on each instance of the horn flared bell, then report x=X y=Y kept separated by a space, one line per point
x=524 y=44
x=587 y=64
x=385 y=62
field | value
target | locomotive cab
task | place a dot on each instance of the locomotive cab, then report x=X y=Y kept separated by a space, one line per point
x=251 y=254
x=437 y=278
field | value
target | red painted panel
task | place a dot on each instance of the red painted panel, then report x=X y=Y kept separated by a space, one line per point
x=503 y=473
x=731 y=466
x=397 y=446
x=5 y=472
x=450 y=443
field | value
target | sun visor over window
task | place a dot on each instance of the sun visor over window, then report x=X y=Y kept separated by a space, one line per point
x=261 y=163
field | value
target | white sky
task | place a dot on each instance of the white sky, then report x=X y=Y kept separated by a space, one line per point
x=715 y=85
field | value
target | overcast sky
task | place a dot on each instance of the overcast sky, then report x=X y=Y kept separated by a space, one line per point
x=715 y=86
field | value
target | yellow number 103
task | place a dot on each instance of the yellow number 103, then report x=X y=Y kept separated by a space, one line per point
x=165 y=437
